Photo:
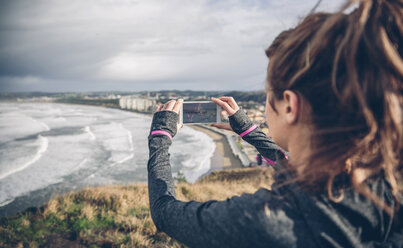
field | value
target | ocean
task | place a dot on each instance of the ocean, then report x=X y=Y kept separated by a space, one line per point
x=50 y=148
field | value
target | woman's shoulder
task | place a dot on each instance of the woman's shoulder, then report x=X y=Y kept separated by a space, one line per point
x=354 y=219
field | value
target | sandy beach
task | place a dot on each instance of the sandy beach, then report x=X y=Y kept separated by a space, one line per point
x=223 y=158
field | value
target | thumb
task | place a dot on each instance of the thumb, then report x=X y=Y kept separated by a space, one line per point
x=225 y=126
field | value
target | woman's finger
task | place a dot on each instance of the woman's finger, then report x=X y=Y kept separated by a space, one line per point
x=231 y=102
x=159 y=107
x=169 y=105
x=224 y=105
x=178 y=106
x=225 y=126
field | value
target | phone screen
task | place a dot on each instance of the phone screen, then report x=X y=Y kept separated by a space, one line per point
x=199 y=112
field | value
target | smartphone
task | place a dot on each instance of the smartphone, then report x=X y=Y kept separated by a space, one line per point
x=199 y=112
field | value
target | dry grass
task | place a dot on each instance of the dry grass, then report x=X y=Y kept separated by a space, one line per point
x=116 y=216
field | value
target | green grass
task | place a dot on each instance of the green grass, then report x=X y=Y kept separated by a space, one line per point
x=115 y=216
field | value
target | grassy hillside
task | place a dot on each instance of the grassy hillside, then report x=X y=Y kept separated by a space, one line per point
x=116 y=216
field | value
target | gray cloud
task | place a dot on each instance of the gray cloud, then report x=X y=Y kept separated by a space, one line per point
x=135 y=45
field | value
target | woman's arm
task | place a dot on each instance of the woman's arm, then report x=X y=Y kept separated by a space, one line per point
x=160 y=181
x=241 y=124
x=245 y=221
x=252 y=134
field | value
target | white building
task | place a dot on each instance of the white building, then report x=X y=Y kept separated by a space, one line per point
x=137 y=103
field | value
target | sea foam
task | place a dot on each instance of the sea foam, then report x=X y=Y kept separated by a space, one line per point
x=43 y=146
x=83 y=143
x=87 y=129
x=197 y=148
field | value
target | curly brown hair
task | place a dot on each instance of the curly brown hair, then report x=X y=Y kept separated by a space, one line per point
x=348 y=67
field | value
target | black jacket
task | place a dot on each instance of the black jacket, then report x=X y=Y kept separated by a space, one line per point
x=285 y=216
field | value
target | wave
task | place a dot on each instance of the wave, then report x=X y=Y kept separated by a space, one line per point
x=123 y=160
x=42 y=124
x=82 y=163
x=131 y=146
x=6 y=202
x=87 y=129
x=129 y=136
x=60 y=119
x=197 y=163
x=192 y=173
x=42 y=149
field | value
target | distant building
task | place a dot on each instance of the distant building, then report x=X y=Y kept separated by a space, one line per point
x=137 y=103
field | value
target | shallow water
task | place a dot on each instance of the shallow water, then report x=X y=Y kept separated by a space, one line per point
x=48 y=148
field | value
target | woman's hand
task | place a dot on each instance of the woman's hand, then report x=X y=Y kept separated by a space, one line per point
x=230 y=106
x=227 y=103
x=173 y=106
x=225 y=126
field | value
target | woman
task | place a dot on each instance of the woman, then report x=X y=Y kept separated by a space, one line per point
x=334 y=102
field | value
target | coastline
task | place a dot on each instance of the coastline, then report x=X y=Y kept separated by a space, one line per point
x=223 y=158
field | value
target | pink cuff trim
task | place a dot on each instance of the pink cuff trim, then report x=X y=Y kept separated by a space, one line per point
x=269 y=161
x=161 y=132
x=285 y=155
x=248 y=131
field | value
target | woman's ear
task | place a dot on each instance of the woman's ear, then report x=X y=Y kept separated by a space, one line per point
x=291 y=106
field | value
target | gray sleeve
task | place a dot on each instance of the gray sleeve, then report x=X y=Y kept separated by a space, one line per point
x=264 y=144
x=256 y=220
x=160 y=182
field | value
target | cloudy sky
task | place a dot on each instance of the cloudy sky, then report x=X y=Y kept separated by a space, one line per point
x=131 y=45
